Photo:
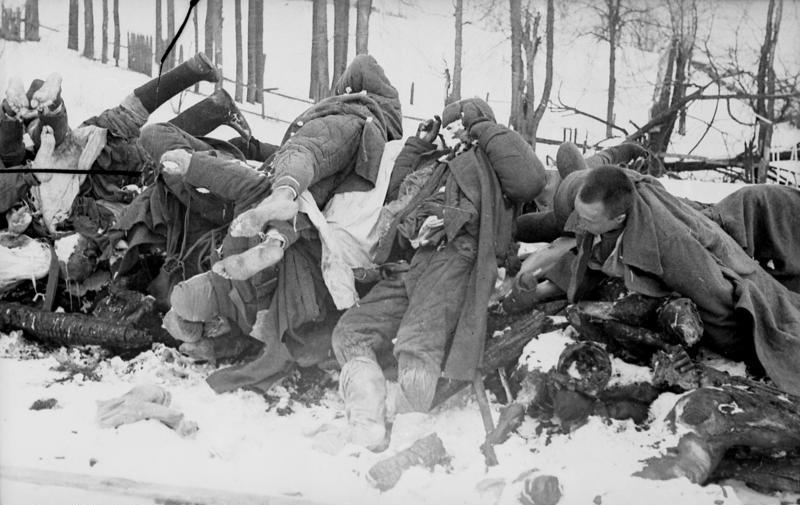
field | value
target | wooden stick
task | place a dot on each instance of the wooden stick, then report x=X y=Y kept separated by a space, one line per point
x=486 y=415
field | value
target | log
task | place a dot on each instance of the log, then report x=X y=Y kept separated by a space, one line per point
x=502 y=350
x=70 y=329
x=135 y=309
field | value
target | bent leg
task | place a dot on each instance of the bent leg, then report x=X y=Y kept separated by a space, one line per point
x=437 y=296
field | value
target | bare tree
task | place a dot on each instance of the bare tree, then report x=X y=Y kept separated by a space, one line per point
x=455 y=92
x=196 y=41
x=525 y=117
x=765 y=79
x=614 y=16
x=159 y=31
x=116 y=32
x=104 y=50
x=673 y=79
x=252 y=39
x=88 y=22
x=533 y=119
x=239 y=65
x=31 y=19
x=341 y=34
x=260 y=54
x=363 y=11
x=170 y=62
x=72 y=36
x=517 y=72
x=318 y=88
x=213 y=34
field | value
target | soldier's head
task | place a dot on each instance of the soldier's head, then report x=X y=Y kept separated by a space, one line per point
x=603 y=202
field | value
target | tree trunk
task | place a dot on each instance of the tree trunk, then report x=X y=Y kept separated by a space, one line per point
x=765 y=108
x=208 y=32
x=116 y=33
x=159 y=32
x=196 y=42
x=104 y=50
x=341 y=35
x=517 y=82
x=239 y=65
x=259 y=56
x=548 y=78
x=683 y=16
x=170 y=62
x=319 y=51
x=72 y=37
x=363 y=11
x=218 y=39
x=455 y=91
x=88 y=21
x=252 y=38
x=530 y=43
x=613 y=35
x=32 y=20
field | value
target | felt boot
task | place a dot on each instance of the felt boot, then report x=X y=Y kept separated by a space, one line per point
x=205 y=116
x=157 y=91
x=569 y=159
x=363 y=388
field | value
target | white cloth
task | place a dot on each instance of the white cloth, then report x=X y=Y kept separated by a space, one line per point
x=22 y=258
x=56 y=193
x=345 y=229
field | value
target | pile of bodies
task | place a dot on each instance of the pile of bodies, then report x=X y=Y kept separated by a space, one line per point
x=348 y=241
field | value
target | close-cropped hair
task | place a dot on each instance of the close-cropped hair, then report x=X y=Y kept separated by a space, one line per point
x=610 y=185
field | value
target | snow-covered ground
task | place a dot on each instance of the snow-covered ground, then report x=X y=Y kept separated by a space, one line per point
x=243 y=444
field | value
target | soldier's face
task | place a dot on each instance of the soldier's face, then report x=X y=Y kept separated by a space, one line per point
x=454 y=133
x=593 y=218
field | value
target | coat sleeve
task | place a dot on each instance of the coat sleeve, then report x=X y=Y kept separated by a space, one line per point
x=406 y=162
x=319 y=149
x=521 y=174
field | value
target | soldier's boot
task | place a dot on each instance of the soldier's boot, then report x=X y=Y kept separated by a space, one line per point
x=205 y=116
x=156 y=92
x=569 y=159
x=363 y=388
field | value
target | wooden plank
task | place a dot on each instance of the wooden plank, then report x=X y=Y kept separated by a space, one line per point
x=157 y=492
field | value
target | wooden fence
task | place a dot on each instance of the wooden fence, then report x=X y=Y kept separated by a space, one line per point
x=140 y=53
x=10 y=24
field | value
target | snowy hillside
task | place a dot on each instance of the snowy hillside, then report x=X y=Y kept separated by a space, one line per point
x=414 y=42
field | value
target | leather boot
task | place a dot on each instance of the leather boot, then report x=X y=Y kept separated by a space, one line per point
x=205 y=116
x=157 y=91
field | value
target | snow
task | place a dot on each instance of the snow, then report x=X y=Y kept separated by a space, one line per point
x=243 y=444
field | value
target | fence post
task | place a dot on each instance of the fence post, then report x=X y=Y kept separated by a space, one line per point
x=411 y=97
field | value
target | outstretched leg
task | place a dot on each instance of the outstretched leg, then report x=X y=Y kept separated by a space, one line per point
x=208 y=114
x=157 y=91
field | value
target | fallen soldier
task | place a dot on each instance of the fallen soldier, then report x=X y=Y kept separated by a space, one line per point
x=272 y=254
x=615 y=225
x=103 y=161
x=432 y=317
